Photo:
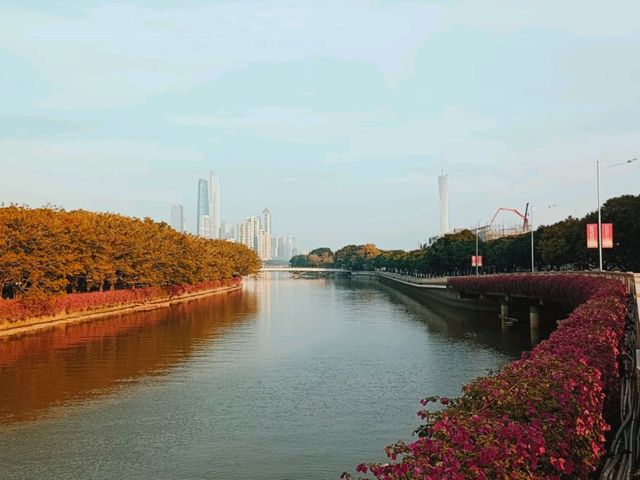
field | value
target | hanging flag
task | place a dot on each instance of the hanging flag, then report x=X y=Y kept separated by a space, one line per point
x=476 y=261
x=592 y=235
x=607 y=235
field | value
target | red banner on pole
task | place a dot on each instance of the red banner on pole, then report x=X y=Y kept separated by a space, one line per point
x=607 y=235
x=476 y=261
x=592 y=235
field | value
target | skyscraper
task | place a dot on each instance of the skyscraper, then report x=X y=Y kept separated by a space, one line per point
x=255 y=233
x=203 y=207
x=177 y=217
x=214 y=205
x=266 y=241
x=443 y=184
x=255 y=227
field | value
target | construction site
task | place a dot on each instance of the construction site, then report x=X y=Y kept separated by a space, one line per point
x=506 y=222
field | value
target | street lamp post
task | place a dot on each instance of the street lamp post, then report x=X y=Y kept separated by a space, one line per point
x=533 y=259
x=477 y=234
x=599 y=217
x=599 y=207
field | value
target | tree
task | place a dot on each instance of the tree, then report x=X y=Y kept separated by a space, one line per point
x=563 y=244
x=300 y=261
x=321 y=257
x=558 y=246
x=49 y=251
x=624 y=213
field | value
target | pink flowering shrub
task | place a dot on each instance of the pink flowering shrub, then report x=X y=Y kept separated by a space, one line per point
x=541 y=417
x=572 y=290
x=26 y=308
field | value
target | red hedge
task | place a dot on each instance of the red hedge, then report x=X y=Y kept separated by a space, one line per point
x=26 y=308
x=541 y=417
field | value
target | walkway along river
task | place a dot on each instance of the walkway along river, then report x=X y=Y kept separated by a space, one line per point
x=285 y=379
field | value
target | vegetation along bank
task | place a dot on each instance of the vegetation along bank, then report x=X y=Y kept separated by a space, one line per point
x=55 y=262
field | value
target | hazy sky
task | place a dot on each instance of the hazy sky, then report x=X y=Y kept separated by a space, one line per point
x=335 y=114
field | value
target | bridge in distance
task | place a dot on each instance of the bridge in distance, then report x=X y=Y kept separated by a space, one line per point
x=304 y=270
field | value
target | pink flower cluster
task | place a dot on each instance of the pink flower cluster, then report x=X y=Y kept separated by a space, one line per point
x=26 y=308
x=572 y=290
x=541 y=417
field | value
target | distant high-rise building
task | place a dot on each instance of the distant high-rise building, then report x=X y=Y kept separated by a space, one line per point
x=177 y=217
x=203 y=207
x=275 y=247
x=266 y=220
x=247 y=232
x=282 y=242
x=288 y=248
x=283 y=248
x=443 y=184
x=214 y=205
x=227 y=232
x=266 y=240
x=239 y=233
x=255 y=233
x=205 y=226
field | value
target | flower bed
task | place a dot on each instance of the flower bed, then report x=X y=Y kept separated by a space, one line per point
x=541 y=417
x=27 y=308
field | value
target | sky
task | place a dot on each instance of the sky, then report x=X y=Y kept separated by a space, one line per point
x=337 y=115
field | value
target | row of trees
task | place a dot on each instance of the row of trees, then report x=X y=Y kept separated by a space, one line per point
x=558 y=246
x=47 y=251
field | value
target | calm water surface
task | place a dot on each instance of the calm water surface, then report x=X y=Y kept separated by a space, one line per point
x=286 y=379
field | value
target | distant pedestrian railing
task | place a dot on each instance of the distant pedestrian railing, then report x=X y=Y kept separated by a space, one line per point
x=439 y=281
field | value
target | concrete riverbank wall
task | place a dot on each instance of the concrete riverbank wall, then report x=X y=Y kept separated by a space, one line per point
x=37 y=324
x=434 y=292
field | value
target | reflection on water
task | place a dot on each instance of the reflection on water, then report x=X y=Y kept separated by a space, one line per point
x=286 y=379
x=77 y=362
x=456 y=324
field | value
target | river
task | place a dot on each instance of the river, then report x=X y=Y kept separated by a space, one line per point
x=284 y=379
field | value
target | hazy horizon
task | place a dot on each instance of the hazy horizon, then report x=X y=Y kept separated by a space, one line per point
x=335 y=115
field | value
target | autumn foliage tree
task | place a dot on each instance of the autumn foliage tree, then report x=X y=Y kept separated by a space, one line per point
x=320 y=257
x=49 y=251
x=357 y=257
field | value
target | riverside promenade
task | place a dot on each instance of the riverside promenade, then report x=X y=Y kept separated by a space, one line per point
x=622 y=458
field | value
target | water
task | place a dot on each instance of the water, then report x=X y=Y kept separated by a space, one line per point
x=286 y=379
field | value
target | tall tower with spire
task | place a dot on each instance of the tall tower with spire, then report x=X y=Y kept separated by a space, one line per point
x=443 y=184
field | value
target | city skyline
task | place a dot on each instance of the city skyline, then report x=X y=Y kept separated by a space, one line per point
x=255 y=231
x=225 y=224
x=344 y=134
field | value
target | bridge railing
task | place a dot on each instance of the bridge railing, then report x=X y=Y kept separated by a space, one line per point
x=629 y=279
x=412 y=279
x=303 y=269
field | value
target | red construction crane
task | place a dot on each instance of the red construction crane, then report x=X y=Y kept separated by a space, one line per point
x=525 y=217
